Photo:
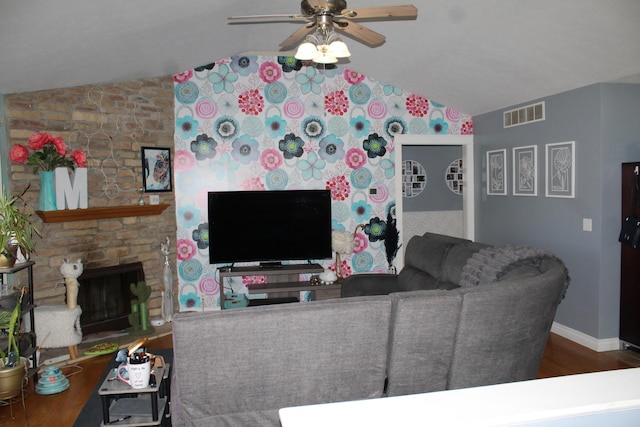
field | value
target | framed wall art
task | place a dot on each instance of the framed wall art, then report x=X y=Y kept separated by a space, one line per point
x=414 y=178
x=560 y=169
x=497 y=172
x=454 y=176
x=156 y=169
x=525 y=167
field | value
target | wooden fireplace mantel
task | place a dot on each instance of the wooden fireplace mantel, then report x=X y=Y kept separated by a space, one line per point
x=67 y=215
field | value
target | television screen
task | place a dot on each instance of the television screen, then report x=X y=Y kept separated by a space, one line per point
x=269 y=226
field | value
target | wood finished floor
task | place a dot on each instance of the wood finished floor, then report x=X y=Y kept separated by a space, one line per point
x=561 y=357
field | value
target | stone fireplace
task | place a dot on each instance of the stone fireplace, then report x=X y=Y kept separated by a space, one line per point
x=105 y=297
x=111 y=123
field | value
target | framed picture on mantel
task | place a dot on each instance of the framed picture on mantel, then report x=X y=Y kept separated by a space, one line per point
x=156 y=169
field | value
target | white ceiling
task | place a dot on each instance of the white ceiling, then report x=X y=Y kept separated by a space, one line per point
x=473 y=55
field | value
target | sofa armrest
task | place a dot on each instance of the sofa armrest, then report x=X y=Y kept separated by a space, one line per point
x=369 y=284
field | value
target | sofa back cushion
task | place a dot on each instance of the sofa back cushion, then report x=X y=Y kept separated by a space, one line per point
x=422 y=338
x=504 y=326
x=234 y=366
x=425 y=262
x=426 y=253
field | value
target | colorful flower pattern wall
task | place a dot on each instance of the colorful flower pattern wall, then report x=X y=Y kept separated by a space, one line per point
x=275 y=123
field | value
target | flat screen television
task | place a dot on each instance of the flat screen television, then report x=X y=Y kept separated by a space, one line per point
x=269 y=226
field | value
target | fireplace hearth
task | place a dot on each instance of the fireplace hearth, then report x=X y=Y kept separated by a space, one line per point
x=105 y=297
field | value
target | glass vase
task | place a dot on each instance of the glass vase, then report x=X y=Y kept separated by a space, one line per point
x=47 y=198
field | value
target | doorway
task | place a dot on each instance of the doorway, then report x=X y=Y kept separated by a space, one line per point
x=465 y=142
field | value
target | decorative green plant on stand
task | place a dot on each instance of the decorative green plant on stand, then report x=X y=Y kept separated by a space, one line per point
x=16 y=229
x=13 y=369
x=10 y=321
x=139 y=317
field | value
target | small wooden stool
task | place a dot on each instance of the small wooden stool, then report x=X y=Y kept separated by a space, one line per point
x=58 y=326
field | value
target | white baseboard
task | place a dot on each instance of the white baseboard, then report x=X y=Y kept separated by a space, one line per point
x=588 y=341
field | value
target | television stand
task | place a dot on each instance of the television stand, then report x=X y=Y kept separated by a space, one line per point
x=283 y=281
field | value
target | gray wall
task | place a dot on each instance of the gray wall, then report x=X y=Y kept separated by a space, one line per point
x=436 y=196
x=4 y=152
x=604 y=122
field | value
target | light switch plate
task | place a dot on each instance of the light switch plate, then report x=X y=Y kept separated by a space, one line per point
x=154 y=199
x=587 y=224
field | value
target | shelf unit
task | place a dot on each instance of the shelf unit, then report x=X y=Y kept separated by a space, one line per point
x=67 y=215
x=30 y=354
x=282 y=281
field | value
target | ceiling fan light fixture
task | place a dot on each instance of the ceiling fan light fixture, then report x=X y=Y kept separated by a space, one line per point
x=325 y=58
x=323 y=48
x=307 y=51
x=339 y=49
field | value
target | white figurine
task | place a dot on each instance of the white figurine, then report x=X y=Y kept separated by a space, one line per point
x=71 y=272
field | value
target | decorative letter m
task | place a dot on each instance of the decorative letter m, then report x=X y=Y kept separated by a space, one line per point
x=71 y=190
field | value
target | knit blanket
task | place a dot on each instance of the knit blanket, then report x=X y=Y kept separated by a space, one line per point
x=490 y=264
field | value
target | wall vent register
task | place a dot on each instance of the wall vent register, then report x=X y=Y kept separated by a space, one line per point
x=523 y=115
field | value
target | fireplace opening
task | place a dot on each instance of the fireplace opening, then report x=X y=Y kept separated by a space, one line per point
x=105 y=297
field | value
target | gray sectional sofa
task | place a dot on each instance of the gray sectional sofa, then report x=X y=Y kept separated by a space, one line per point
x=421 y=333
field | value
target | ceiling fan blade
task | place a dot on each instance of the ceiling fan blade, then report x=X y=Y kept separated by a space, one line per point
x=407 y=11
x=277 y=16
x=294 y=39
x=357 y=31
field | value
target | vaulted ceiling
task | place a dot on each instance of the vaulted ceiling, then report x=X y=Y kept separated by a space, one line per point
x=476 y=56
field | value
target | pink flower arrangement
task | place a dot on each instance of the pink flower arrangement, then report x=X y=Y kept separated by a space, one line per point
x=49 y=152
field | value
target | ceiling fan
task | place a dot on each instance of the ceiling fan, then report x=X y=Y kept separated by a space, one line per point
x=324 y=16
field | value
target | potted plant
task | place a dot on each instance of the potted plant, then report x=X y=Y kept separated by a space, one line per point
x=16 y=229
x=13 y=369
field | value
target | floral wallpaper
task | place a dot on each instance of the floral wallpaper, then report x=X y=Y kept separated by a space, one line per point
x=276 y=123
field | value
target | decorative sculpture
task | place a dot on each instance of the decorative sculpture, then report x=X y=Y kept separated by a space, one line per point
x=71 y=272
x=391 y=241
x=341 y=243
x=167 y=279
x=139 y=317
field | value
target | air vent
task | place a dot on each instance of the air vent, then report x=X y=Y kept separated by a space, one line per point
x=523 y=115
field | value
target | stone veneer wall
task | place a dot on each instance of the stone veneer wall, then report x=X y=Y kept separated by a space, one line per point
x=111 y=123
